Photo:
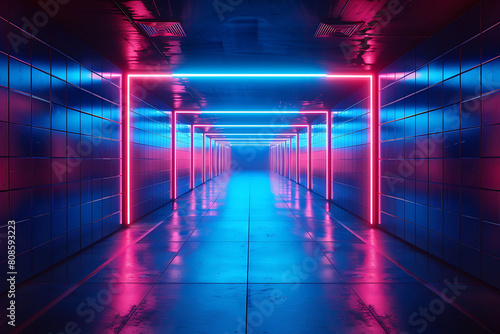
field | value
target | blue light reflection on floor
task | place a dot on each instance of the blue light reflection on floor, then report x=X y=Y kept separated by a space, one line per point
x=254 y=252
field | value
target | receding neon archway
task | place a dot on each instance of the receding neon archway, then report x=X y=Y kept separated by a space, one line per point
x=373 y=129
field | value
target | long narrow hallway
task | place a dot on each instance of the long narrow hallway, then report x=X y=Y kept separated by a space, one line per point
x=253 y=252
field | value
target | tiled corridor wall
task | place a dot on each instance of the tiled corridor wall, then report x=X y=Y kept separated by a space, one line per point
x=150 y=155
x=440 y=135
x=318 y=155
x=59 y=143
x=351 y=153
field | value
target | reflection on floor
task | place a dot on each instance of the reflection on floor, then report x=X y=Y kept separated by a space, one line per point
x=253 y=253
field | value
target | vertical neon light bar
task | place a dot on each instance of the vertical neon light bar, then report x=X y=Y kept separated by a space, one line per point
x=297 y=149
x=374 y=134
x=215 y=158
x=374 y=150
x=309 y=164
x=126 y=152
x=122 y=113
x=283 y=159
x=192 y=157
x=280 y=158
x=274 y=158
x=203 y=170
x=287 y=160
x=290 y=158
x=174 y=155
x=271 y=158
x=210 y=160
x=218 y=158
x=328 y=155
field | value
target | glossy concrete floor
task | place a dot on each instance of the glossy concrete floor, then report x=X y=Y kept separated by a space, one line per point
x=253 y=253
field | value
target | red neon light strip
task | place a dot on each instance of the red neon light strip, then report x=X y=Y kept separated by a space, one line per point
x=249 y=134
x=122 y=149
x=127 y=153
x=328 y=154
x=309 y=164
x=210 y=158
x=297 y=157
x=372 y=141
x=192 y=156
x=203 y=160
x=300 y=112
x=174 y=160
x=250 y=126
x=290 y=159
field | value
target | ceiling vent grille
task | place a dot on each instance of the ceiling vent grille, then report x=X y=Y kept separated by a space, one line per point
x=163 y=29
x=343 y=29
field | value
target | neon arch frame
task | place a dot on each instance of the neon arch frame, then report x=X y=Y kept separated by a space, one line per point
x=374 y=115
x=309 y=169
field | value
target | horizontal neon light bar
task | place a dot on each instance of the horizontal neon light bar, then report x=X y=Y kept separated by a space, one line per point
x=251 y=126
x=200 y=112
x=249 y=75
x=349 y=76
x=250 y=134
x=250 y=141
x=251 y=144
x=373 y=122
x=150 y=75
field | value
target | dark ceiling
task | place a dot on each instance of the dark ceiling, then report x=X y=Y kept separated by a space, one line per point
x=256 y=36
x=263 y=34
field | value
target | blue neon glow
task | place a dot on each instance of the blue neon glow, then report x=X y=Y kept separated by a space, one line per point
x=247 y=75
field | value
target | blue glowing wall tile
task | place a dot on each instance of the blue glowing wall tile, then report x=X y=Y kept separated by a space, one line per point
x=457 y=135
x=41 y=98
